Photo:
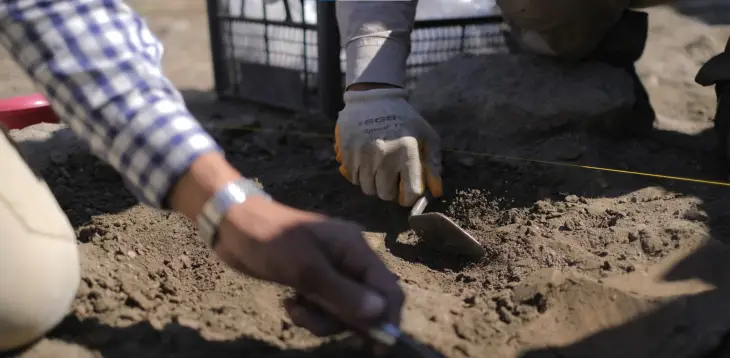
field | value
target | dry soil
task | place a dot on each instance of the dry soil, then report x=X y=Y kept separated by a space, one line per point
x=580 y=263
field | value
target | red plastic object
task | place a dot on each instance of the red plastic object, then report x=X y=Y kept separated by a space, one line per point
x=23 y=111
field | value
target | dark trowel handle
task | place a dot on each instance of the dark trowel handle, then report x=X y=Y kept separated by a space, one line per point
x=420 y=205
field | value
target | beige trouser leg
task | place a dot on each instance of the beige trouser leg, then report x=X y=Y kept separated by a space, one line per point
x=39 y=263
x=569 y=29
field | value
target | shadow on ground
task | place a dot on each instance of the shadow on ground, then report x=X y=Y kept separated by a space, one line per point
x=174 y=340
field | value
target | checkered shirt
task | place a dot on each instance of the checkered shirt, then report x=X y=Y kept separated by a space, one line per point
x=100 y=68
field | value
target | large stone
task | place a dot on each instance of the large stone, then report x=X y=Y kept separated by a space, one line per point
x=504 y=98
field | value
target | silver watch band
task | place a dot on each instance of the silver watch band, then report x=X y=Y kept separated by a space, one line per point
x=218 y=205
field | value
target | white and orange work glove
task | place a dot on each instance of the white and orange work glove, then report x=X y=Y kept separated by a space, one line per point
x=386 y=147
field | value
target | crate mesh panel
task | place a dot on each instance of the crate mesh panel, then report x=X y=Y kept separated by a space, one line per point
x=291 y=48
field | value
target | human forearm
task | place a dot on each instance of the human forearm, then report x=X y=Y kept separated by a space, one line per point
x=99 y=66
x=205 y=176
x=376 y=38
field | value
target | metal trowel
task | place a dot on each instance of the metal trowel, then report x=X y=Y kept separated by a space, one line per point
x=438 y=231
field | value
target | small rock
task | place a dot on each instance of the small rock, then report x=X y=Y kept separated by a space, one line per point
x=466 y=161
x=84 y=289
x=87 y=233
x=542 y=207
x=650 y=244
x=504 y=315
x=109 y=247
x=131 y=315
x=131 y=254
x=572 y=224
x=491 y=316
x=139 y=300
x=103 y=304
x=595 y=210
x=606 y=266
x=81 y=310
x=537 y=284
x=572 y=198
x=633 y=236
x=511 y=217
x=179 y=263
x=156 y=323
x=189 y=323
x=170 y=286
x=695 y=215
x=58 y=157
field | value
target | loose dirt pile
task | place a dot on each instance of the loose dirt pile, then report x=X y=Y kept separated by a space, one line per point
x=580 y=263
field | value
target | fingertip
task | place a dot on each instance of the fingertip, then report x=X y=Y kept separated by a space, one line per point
x=373 y=305
x=435 y=185
x=344 y=172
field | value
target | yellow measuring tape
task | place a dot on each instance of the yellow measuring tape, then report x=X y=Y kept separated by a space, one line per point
x=495 y=156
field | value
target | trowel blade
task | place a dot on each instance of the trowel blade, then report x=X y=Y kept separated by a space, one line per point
x=438 y=231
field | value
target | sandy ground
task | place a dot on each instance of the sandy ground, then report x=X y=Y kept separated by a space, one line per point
x=580 y=263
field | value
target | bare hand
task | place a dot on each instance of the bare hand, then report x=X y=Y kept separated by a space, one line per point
x=324 y=259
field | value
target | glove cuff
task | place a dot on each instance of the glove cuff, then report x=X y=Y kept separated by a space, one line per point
x=375 y=94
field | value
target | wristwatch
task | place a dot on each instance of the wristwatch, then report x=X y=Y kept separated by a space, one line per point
x=217 y=206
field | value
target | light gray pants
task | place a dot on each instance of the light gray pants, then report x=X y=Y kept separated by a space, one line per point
x=39 y=262
x=569 y=29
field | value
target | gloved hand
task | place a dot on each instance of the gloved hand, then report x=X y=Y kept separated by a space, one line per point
x=386 y=147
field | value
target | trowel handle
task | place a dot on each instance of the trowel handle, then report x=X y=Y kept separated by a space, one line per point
x=420 y=205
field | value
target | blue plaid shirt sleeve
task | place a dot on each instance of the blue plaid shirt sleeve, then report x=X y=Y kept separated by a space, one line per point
x=100 y=68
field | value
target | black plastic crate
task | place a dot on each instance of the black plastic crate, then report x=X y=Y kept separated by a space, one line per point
x=276 y=61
